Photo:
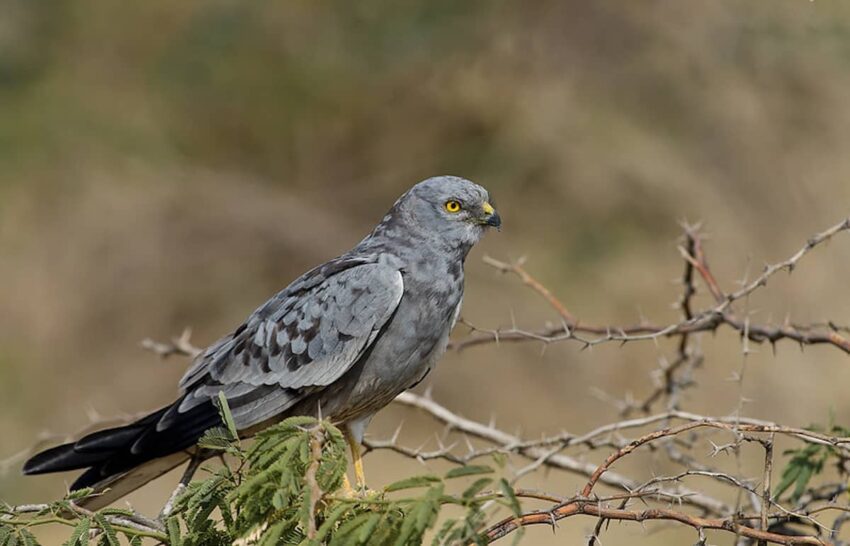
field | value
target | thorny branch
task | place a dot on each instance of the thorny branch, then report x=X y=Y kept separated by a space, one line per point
x=601 y=437
x=592 y=507
x=142 y=525
x=770 y=519
x=703 y=321
x=178 y=346
x=672 y=432
x=315 y=491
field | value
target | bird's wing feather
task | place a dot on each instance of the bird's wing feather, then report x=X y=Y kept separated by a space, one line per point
x=303 y=339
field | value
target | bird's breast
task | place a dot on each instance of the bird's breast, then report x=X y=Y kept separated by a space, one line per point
x=412 y=341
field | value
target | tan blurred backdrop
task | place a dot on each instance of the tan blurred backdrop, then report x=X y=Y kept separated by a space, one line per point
x=172 y=164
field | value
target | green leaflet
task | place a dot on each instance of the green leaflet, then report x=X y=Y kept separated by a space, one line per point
x=174 y=532
x=265 y=489
x=513 y=502
x=226 y=416
x=110 y=537
x=356 y=530
x=420 y=517
x=412 y=482
x=27 y=538
x=476 y=487
x=469 y=470
x=330 y=523
x=216 y=438
x=80 y=493
x=80 y=535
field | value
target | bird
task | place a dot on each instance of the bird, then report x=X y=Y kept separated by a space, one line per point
x=340 y=342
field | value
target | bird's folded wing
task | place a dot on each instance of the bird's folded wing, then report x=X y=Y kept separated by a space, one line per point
x=303 y=339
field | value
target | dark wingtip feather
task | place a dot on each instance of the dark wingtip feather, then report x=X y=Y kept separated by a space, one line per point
x=88 y=478
x=90 y=450
x=110 y=454
x=59 y=459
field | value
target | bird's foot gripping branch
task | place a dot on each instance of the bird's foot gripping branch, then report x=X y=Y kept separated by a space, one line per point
x=286 y=488
x=735 y=478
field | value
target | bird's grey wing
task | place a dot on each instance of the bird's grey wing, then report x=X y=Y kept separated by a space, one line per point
x=300 y=341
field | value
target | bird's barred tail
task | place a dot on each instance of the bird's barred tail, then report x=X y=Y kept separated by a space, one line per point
x=125 y=458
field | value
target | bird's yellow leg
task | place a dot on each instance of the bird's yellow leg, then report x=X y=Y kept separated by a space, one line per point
x=357 y=459
x=347 y=490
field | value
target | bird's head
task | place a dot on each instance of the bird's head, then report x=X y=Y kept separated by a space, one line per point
x=448 y=213
x=454 y=209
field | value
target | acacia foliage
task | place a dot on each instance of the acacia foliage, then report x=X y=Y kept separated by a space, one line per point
x=286 y=488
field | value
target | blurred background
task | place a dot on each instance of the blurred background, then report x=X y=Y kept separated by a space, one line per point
x=173 y=164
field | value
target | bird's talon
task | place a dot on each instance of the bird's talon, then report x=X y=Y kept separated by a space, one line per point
x=360 y=492
x=371 y=493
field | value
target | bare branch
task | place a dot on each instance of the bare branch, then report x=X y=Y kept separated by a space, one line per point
x=593 y=508
x=706 y=320
x=517 y=269
x=179 y=346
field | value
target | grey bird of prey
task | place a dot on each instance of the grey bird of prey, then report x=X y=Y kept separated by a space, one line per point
x=342 y=341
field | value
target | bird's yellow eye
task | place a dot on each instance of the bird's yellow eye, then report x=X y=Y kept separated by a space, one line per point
x=453 y=206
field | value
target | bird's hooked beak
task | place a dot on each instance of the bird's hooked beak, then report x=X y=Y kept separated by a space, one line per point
x=491 y=217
